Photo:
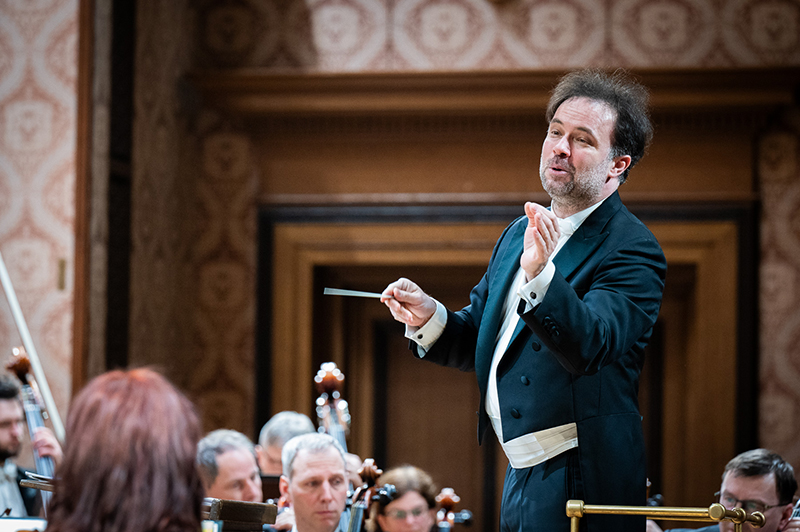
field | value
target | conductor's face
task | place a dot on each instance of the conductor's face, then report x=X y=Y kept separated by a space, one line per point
x=316 y=490
x=11 y=428
x=576 y=166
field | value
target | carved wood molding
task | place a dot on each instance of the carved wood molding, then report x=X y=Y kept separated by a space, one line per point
x=701 y=365
x=300 y=248
x=700 y=371
x=258 y=93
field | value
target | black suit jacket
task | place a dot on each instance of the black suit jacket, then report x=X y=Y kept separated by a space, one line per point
x=577 y=356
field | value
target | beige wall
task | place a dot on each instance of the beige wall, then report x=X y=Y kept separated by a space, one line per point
x=779 y=180
x=38 y=72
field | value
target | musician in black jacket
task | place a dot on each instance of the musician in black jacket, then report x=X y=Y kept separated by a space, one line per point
x=758 y=481
x=19 y=501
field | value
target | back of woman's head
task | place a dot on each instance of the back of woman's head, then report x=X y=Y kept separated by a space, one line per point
x=129 y=460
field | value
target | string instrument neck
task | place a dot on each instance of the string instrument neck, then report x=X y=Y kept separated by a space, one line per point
x=333 y=412
x=34 y=414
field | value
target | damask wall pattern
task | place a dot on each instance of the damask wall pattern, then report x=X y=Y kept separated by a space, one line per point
x=400 y=35
x=779 y=177
x=38 y=74
x=193 y=231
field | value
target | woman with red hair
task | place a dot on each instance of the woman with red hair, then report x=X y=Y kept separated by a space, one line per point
x=129 y=460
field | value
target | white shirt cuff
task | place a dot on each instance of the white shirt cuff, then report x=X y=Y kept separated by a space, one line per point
x=533 y=292
x=427 y=335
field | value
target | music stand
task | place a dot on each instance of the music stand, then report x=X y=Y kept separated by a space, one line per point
x=239 y=515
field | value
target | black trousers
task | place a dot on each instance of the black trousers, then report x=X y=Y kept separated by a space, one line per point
x=535 y=498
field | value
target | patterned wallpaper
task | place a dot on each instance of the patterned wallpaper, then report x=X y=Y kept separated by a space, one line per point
x=193 y=231
x=38 y=72
x=392 y=35
x=779 y=177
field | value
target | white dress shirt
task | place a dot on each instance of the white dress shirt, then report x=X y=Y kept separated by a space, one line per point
x=533 y=448
x=10 y=497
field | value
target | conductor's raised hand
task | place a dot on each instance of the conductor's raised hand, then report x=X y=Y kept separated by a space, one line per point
x=541 y=238
x=408 y=303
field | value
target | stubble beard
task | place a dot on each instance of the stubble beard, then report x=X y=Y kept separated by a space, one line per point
x=581 y=190
x=6 y=453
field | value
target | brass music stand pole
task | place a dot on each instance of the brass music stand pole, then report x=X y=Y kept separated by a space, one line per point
x=715 y=512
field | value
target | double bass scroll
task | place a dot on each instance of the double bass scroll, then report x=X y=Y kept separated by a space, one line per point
x=333 y=412
x=446 y=517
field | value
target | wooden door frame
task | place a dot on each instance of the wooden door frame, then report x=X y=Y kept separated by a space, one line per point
x=300 y=242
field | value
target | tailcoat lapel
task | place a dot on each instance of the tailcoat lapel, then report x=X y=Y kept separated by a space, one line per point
x=499 y=285
x=587 y=238
x=580 y=246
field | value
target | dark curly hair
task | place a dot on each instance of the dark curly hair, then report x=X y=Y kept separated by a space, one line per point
x=629 y=100
x=9 y=387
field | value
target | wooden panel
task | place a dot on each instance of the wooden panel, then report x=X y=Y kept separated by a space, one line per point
x=299 y=248
x=700 y=360
x=255 y=92
x=480 y=160
x=356 y=164
x=422 y=414
x=431 y=423
x=695 y=164
x=83 y=154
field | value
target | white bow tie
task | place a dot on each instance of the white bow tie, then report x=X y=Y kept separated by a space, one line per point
x=566 y=226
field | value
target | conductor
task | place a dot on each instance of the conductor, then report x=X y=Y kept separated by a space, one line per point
x=556 y=328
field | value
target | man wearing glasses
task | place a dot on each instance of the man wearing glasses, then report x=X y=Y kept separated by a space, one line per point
x=758 y=481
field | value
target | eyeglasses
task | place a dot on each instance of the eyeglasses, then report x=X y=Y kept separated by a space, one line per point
x=730 y=502
x=402 y=514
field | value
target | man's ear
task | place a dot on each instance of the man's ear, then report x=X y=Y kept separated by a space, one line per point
x=283 y=485
x=786 y=516
x=260 y=458
x=619 y=165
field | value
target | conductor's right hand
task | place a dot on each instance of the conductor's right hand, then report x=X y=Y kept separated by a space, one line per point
x=408 y=303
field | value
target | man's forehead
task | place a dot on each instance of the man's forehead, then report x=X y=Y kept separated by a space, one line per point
x=761 y=487
x=585 y=107
x=10 y=408
x=309 y=463
x=237 y=456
